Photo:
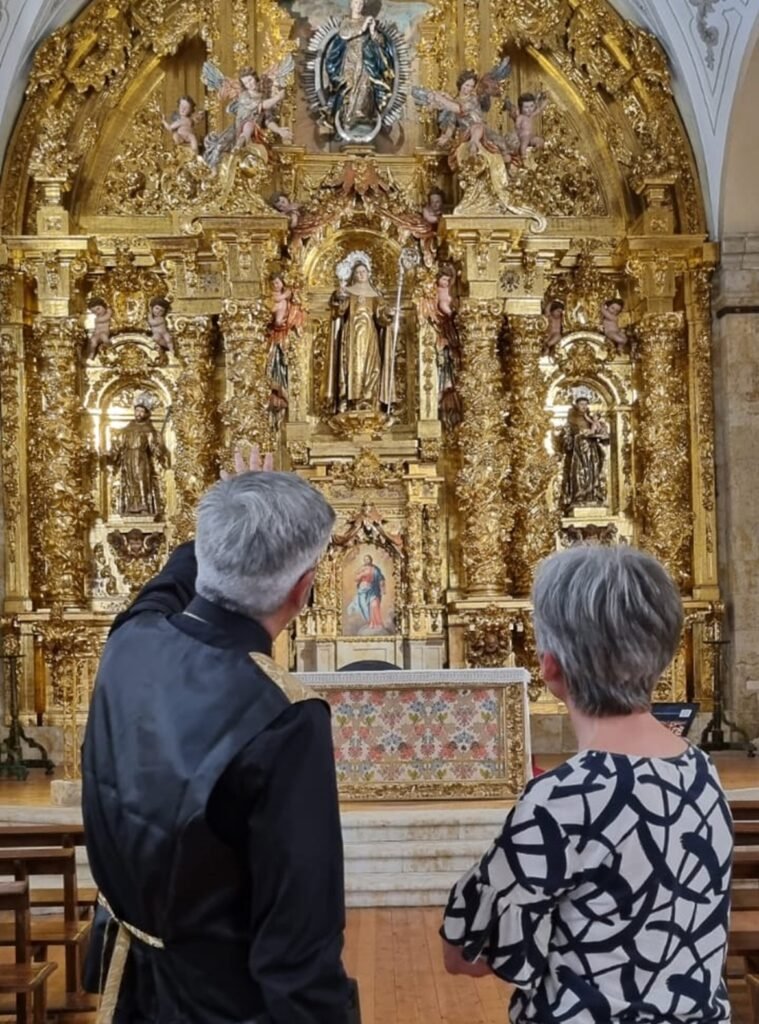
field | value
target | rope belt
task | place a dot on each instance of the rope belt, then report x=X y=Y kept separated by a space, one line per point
x=110 y=990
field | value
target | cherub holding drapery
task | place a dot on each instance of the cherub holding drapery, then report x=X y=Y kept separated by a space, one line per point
x=252 y=100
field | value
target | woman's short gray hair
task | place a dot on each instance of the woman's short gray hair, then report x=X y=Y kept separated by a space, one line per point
x=611 y=616
x=257 y=534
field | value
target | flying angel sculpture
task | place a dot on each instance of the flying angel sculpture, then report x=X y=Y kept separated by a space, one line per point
x=252 y=99
x=462 y=118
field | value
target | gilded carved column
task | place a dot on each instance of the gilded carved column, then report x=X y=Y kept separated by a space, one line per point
x=194 y=419
x=13 y=443
x=663 y=494
x=60 y=505
x=532 y=467
x=244 y=411
x=699 y=308
x=485 y=520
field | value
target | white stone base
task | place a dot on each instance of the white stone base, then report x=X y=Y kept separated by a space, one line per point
x=394 y=857
x=66 y=792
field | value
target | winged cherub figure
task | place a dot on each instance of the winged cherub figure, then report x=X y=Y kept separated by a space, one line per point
x=462 y=118
x=252 y=99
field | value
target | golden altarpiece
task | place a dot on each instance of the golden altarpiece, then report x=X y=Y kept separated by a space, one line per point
x=446 y=258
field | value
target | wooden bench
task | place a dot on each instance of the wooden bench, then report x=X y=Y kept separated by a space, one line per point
x=24 y=980
x=17 y=836
x=66 y=930
x=744 y=810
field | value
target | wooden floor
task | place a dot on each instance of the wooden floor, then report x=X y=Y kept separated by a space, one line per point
x=395 y=953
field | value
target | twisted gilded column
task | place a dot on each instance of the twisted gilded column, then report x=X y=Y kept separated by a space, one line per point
x=486 y=521
x=663 y=493
x=244 y=412
x=60 y=503
x=532 y=467
x=194 y=418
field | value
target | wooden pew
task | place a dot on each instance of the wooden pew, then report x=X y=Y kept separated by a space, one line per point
x=67 y=930
x=17 y=836
x=23 y=980
x=744 y=810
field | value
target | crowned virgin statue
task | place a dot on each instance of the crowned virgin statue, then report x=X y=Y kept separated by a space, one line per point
x=360 y=367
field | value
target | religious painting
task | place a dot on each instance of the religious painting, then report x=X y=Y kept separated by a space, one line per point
x=368 y=592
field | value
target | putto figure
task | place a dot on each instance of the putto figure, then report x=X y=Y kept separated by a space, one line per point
x=529 y=106
x=158 y=326
x=136 y=453
x=100 y=336
x=182 y=124
x=356 y=74
x=359 y=373
x=555 y=314
x=611 y=311
x=253 y=99
x=442 y=314
x=287 y=318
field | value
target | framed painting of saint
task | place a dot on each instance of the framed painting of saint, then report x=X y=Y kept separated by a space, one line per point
x=368 y=592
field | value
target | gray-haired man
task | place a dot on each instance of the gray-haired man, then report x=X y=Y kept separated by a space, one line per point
x=210 y=801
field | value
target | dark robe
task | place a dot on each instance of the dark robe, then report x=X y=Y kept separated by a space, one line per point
x=212 y=822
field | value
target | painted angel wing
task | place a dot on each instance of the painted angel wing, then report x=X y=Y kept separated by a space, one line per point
x=489 y=84
x=278 y=74
x=215 y=80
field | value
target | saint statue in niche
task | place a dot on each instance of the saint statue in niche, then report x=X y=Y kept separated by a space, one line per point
x=585 y=438
x=357 y=73
x=360 y=374
x=136 y=453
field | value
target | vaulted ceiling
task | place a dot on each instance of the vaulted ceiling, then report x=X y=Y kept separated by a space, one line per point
x=709 y=44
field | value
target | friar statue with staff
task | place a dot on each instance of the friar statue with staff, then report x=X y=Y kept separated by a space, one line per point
x=362 y=344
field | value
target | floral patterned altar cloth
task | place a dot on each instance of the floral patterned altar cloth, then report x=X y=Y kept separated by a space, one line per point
x=428 y=734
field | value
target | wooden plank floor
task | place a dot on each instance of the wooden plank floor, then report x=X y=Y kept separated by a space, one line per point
x=395 y=955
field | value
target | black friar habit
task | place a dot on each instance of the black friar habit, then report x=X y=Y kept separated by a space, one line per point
x=212 y=822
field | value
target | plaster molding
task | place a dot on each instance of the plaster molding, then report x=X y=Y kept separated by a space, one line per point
x=707 y=42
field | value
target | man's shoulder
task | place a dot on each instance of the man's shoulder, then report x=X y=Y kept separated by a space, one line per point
x=294 y=690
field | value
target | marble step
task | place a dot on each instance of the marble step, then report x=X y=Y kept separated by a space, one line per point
x=404 y=889
x=414 y=857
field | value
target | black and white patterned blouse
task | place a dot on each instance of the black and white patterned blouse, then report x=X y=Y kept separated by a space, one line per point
x=606 y=896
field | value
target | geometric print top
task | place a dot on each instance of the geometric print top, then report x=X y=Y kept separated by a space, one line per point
x=606 y=897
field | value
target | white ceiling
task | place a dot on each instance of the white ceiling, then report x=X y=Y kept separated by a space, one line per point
x=708 y=43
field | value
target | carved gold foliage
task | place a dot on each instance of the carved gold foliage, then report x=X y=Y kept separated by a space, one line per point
x=56 y=153
x=488 y=638
x=138 y=555
x=59 y=497
x=433 y=569
x=593 y=39
x=701 y=354
x=432 y=46
x=561 y=179
x=663 y=495
x=244 y=413
x=10 y=367
x=532 y=467
x=485 y=520
x=194 y=419
x=541 y=23
x=102 y=37
x=365 y=471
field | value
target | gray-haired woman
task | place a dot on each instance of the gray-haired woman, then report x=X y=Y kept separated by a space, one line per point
x=606 y=896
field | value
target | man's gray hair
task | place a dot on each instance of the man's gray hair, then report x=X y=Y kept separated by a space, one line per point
x=257 y=534
x=611 y=616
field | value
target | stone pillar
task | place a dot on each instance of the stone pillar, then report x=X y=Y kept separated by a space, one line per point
x=244 y=410
x=736 y=366
x=194 y=417
x=663 y=495
x=485 y=520
x=59 y=504
x=532 y=467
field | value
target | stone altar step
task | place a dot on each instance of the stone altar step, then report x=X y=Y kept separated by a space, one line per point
x=395 y=856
